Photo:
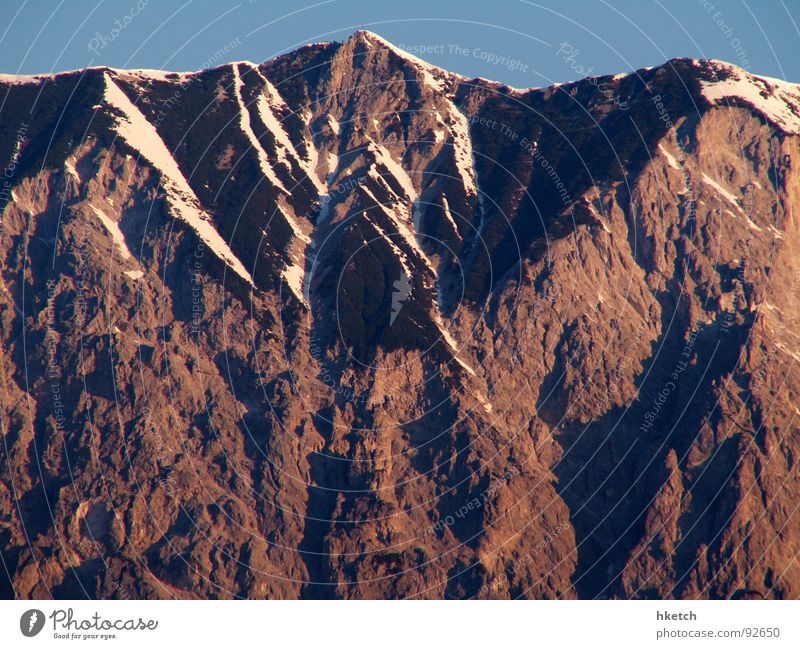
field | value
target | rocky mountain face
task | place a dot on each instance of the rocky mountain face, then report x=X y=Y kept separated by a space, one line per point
x=346 y=325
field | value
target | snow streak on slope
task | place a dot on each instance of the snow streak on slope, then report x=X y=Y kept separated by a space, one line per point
x=70 y=169
x=448 y=216
x=728 y=196
x=334 y=124
x=142 y=136
x=295 y=273
x=116 y=234
x=408 y=237
x=750 y=223
x=401 y=256
x=671 y=161
x=247 y=129
x=383 y=157
x=722 y=191
x=435 y=79
x=296 y=229
x=267 y=108
x=402 y=228
x=451 y=342
x=462 y=150
x=294 y=276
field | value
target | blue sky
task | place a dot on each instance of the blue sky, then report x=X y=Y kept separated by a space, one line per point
x=517 y=42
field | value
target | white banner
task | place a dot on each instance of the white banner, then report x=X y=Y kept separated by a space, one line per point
x=415 y=624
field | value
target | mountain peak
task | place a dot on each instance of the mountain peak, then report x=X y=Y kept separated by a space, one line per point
x=376 y=42
x=366 y=35
x=425 y=320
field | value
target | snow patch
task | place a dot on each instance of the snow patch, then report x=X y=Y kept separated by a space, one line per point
x=671 y=161
x=382 y=156
x=334 y=124
x=777 y=100
x=462 y=150
x=298 y=232
x=294 y=275
x=598 y=216
x=449 y=216
x=332 y=165
x=428 y=72
x=70 y=169
x=112 y=227
x=482 y=400
x=748 y=220
x=722 y=191
x=312 y=167
x=403 y=230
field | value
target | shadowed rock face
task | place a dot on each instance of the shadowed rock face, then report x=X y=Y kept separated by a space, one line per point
x=347 y=325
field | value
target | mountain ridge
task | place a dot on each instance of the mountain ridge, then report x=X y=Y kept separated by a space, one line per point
x=337 y=325
x=382 y=42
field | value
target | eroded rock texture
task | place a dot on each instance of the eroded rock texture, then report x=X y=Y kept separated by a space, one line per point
x=347 y=325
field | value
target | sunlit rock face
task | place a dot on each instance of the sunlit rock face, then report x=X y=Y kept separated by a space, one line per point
x=346 y=325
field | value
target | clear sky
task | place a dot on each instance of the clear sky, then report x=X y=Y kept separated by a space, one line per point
x=517 y=42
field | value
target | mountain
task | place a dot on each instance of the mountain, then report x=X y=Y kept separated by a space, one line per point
x=347 y=325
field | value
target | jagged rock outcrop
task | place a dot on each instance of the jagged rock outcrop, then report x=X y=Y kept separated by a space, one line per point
x=347 y=325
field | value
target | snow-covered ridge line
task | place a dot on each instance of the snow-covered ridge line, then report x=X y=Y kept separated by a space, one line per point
x=141 y=135
x=427 y=70
x=142 y=73
x=425 y=67
x=778 y=101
